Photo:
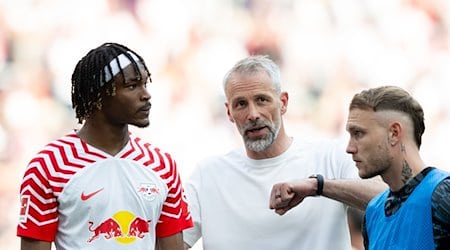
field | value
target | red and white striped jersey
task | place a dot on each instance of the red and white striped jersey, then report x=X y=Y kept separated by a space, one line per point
x=83 y=198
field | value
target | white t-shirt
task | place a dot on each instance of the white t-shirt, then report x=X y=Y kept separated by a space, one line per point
x=229 y=200
x=83 y=198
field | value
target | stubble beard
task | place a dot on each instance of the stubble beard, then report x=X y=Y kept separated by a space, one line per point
x=261 y=144
x=380 y=163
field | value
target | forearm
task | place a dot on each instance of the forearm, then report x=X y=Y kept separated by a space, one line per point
x=32 y=244
x=353 y=192
x=173 y=242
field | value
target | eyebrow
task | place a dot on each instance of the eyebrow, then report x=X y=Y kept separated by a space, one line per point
x=238 y=99
x=134 y=79
x=350 y=128
x=263 y=95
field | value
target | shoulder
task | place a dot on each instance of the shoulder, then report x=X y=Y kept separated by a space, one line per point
x=59 y=145
x=321 y=144
x=440 y=203
x=377 y=202
x=231 y=157
x=440 y=194
x=220 y=162
x=138 y=144
x=328 y=149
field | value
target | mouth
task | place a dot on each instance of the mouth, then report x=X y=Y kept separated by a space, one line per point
x=146 y=108
x=357 y=162
x=258 y=131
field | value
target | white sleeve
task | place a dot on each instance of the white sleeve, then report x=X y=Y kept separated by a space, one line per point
x=192 y=186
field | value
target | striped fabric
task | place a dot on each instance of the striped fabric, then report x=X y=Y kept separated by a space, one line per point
x=140 y=180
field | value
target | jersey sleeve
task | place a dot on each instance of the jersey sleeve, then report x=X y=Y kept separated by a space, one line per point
x=175 y=215
x=38 y=217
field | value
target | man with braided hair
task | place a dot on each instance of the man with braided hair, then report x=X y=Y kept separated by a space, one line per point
x=101 y=187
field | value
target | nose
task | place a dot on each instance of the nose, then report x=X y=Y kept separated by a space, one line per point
x=351 y=149
x=253 y=112
x=145 y=95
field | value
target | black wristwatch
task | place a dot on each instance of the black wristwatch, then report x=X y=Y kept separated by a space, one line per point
x=319 y=178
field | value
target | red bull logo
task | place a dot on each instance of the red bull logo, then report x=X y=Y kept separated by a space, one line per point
x=123 y=227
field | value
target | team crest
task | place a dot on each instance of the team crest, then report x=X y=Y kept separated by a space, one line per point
x=24 y=206
x=148 y=190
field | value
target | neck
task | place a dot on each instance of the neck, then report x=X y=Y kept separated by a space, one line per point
x=404 y=168
x=108 y=138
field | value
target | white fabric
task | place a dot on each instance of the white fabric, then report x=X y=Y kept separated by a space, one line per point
x=115 y=68
x=119 y=181
x=229 y=201
x=83 y=198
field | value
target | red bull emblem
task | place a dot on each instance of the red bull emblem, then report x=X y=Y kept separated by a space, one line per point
x=109 y=228
x=138 y=228
x=124 y=227
x=148 y=190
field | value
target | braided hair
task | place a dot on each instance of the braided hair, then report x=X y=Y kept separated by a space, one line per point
x=90 y=79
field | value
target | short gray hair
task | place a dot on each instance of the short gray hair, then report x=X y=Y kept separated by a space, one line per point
x=254 y=64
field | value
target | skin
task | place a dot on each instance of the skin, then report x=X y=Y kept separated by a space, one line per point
x=381 y=143
x=356 y=193
x=256 y=109
x=174 y=242
x=32 y=244
x=107 y=129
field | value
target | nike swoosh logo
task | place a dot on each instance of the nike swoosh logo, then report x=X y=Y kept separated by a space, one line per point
x=85 y=197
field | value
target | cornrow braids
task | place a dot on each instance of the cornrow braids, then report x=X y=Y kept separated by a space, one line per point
x=93 y=74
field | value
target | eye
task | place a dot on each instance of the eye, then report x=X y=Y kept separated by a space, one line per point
x=240 y=104
x=262 y=99
x=357 y=133
x=131 y=86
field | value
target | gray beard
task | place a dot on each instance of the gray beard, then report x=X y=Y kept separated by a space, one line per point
x=264 y=143
x=260 y=144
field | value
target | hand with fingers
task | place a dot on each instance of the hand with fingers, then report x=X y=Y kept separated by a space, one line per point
x=286 y=195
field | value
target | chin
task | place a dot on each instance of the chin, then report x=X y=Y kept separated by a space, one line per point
x=141 y=124
x=365 y=175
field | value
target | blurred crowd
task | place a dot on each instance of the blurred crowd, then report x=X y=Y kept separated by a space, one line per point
x=328 y=50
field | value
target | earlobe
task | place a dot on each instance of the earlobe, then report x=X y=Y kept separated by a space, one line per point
x=228 y=113
x=394 y=133
x=284 y=102
x=230 y=117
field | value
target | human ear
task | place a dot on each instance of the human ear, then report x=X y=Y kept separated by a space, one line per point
x=284 y=97
x=395 y=131
x=228 y=113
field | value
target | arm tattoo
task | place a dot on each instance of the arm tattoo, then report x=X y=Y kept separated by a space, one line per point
x=406 y=172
